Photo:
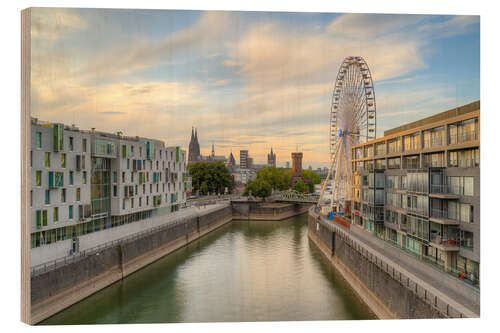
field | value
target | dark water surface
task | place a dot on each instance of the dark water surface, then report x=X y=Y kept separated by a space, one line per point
x=244 y=271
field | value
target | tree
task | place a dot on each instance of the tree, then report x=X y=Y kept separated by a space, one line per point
x=203 y=188
x=315 y=178
x=300 y=187
x=214 y=175
x=259 y=188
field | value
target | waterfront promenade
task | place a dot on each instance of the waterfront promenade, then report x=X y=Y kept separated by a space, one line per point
x=452 y=292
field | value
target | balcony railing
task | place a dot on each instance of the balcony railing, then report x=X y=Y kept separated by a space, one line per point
x=445 y=241
x=418 y=210
x=443 y=214
x=445 y=188
x=418 y=187
x=464 y=136
x=464 y=163
x=433 y=142
x=411 y=164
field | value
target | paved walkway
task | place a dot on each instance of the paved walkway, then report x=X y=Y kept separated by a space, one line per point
x=456 y=291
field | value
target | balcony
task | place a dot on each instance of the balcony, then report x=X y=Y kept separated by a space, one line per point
x=464 y=136
x=444 y=243
x=433 y=142
x=444 y=191
x=443 y=217
x=464 y=163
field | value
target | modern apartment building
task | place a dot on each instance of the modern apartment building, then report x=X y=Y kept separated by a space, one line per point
x=418 y=187
x=84 y=182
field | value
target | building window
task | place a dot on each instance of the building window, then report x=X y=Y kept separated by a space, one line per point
x=394 y=163
x=38 y=178
x=147 y=201
x=56 y=214
x=84 y=145
x=123 y=204
x=466 y=213
x=47 y=197
x=77 y=194
x=84 y=177
x=47 y=160
x=39 y=140
x=132 y=203
x=71 y=177
x=41 y=218
x=115 y=190
x=71 y=143
x=63 y=160
x=136 y=189
x=70 y=212
x=123 y=177
x=115 y=177
x=63 y=195
x=466 y=239
x=128 y=163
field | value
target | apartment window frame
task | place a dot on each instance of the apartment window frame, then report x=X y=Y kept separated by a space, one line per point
x=38 y=140
x=47 y=159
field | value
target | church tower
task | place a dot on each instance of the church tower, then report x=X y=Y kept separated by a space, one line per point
x=194 y=147
x=271 y=158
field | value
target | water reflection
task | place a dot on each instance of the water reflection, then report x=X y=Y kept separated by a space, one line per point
x=244 y=271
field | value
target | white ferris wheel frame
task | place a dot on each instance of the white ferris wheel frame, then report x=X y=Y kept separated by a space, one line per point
x=352 y=121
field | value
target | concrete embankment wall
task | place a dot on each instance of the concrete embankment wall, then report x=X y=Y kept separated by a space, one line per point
x=249 y=210
x=384 y=289
x=57 y=289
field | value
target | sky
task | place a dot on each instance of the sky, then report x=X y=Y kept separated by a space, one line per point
x=245 y=80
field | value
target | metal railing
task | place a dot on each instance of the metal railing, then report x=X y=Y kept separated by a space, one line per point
x=417 y=187
x=53 y=264
x=445 y=189
x=443 y=214
x=404 y=279
x=433 y=142
x=464 y=163
x=464 y=136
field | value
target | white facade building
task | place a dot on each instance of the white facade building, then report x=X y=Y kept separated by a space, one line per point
x=85 y=182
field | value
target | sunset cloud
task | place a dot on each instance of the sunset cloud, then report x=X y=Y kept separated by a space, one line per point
x=244 y=79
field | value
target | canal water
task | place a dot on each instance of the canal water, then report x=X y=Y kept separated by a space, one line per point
x=243 y=271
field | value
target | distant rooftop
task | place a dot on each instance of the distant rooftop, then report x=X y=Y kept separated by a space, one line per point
x=474 y=106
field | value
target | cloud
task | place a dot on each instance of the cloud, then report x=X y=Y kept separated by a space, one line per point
x=52 y=24
x=364 y=26
x=220 y=83
x=454 y=25
x=145 y=53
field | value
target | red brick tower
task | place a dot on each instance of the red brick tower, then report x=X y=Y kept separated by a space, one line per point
x=296 y=168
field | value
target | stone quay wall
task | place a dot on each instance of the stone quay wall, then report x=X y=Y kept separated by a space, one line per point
x=59 y=288
x=390 y=292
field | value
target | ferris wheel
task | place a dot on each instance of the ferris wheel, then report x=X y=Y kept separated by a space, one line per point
x=353 y=121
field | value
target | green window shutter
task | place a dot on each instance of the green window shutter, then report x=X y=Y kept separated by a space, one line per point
x=177 y=154
x=51 y=179
x=70 y=214
x=59 y=179
x=58 y=137
x=38 y=139
x=38 y=218
x=44 y=218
